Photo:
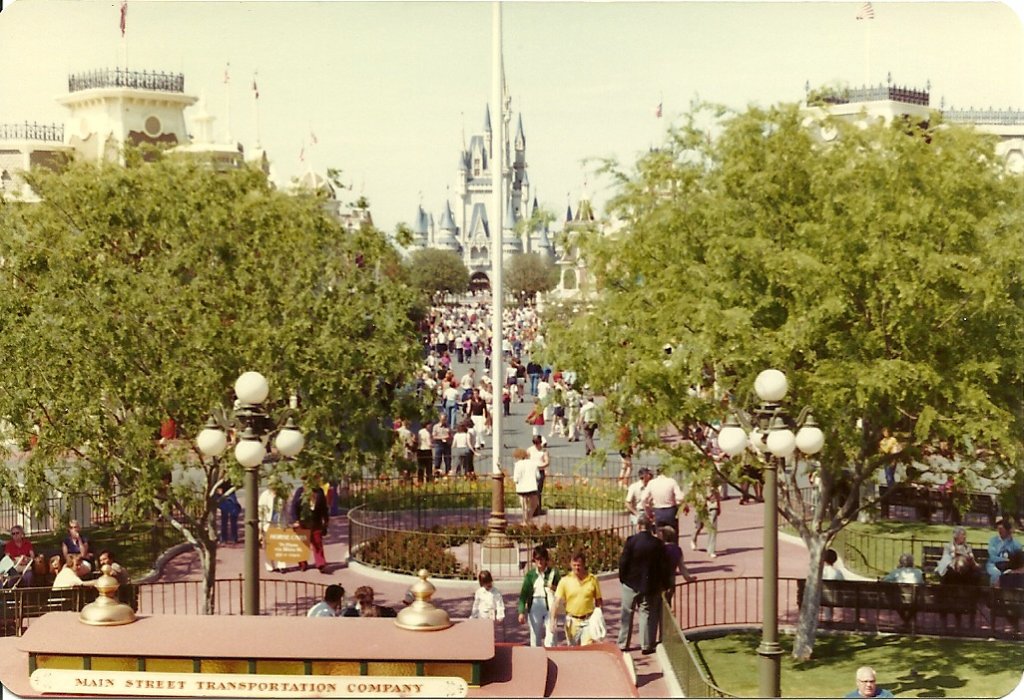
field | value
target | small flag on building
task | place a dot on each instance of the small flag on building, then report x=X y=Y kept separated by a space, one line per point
x=302 y=155
x=312 y=138
x=124 y=16
x=866 y=11
x=227 y=73
x=657 y=111
x=255 y=89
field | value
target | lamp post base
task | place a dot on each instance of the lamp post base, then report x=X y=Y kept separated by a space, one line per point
x=770 y=669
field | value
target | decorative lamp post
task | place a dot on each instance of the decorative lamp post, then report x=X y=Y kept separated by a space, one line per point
x=772 y=437
x=251 y=389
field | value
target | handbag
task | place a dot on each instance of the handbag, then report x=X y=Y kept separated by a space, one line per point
x=596 y=628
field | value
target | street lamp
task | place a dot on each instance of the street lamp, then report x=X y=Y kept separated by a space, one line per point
x=773 y=438
x=251 y=390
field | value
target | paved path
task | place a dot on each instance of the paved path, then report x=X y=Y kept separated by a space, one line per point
x=739 y=554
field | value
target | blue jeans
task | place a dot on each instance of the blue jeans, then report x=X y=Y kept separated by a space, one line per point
x=534 y=380
x=228 y=525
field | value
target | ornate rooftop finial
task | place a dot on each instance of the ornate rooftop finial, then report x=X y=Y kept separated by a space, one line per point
x=422 y=615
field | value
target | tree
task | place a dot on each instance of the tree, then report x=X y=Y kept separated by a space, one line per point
x=432 y=270
x=880 y=270
x=130 y=294
x=528 y=273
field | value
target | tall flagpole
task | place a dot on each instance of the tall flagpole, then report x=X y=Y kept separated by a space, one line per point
x=497 y=207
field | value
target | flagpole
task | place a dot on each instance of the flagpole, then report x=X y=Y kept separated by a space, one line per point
x=256 y=98
x=227 y=98
x=497 y=207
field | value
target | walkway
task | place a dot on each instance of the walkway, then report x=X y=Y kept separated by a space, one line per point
x=739 y=554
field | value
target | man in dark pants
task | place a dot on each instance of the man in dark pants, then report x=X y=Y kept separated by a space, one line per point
x=644 y=574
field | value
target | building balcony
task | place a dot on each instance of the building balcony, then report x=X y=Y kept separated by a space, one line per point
x=117 y=78
x=873 y=94
x=993 y=117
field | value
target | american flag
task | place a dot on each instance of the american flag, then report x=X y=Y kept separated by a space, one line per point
x=866 y=11
x=124 y=16
x=255 y=90
x=302 y=155
x=312 y=138
x=227 y=74
x=657 y=111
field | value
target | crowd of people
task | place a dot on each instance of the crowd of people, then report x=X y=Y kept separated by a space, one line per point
x=74 y=564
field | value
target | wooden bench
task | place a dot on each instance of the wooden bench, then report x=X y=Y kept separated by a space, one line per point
x=931 y=554
x=926 y=502
x=906 y=601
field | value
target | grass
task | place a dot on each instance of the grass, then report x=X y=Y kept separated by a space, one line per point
x=872 y=549
x=919 y=667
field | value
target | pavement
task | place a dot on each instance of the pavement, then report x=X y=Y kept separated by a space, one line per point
x=739 y=554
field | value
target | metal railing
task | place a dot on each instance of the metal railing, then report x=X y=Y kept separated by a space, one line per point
x=441 y=526
x=684 y=662
x=290 y=598
x=874 y=93
x=998 y=117
x=117 y=77
x=32 y=132
x=863 y=552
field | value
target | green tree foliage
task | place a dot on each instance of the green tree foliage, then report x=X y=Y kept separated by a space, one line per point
x=129 y=294
x=526 y=274
x=881 y=270
x=432 y=271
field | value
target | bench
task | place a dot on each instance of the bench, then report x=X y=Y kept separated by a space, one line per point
x=1008 y=604
x=925 y=502
x=931 y=554
x=906 y=602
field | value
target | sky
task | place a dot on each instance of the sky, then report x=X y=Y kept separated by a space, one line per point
x=391 y=89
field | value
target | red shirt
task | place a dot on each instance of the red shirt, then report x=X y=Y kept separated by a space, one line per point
x=13 y=550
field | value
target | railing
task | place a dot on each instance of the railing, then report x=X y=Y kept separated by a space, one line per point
x=875 y=93
x=862 y=552
x=684 y=662
x=32 y=132
x=444 y=524
x=998 y=117
x=117 y=77
x=292 y=598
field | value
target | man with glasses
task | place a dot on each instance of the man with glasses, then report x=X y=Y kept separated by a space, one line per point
x=19 y=549
x=867 y=685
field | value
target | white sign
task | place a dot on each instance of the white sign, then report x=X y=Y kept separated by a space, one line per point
x=241 y=685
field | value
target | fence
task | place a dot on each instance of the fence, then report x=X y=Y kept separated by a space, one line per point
x=684 y=662
x=20 y=606
x=871 y=555
x=441 y=526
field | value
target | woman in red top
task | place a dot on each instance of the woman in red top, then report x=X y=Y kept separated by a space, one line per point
x=19 y=548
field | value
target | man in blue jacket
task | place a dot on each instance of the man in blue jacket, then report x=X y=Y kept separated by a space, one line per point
x=644 y=574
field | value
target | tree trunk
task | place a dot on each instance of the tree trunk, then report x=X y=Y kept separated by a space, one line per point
x=208 y=559
x=807 y=626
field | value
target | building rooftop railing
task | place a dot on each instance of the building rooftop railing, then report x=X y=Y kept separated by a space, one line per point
x=876 y=93
x=1000 y=117
x=118 y=77
x=32 y=132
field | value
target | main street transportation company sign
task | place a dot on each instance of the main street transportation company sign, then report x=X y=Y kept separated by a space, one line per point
x=237 y=685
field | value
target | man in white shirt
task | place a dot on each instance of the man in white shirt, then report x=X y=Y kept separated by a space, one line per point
x=331 y=605
x=634 y=494
x=588 y=419
x=663 y=496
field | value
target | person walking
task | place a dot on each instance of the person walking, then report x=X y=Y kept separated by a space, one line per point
x=588 y=421
x=580 y=593
x=536 y=598
x=662 y=497
x=706 y=516
x=644 y=575
x=538 y=452
x=314 y=516
x=441 y=439
x=525 y=475
x=424 y=454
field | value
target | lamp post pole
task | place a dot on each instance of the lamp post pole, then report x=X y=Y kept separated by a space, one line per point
x=773 y=438
x=251 y=389
x=770 y=685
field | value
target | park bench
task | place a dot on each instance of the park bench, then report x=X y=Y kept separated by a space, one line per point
x=931 y=554
x=926 y=502
x=1007 y=604
x=869 y=601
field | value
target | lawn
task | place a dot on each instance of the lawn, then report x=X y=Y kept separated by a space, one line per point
x=136 y=548
x=872 y=549
x=919 y=667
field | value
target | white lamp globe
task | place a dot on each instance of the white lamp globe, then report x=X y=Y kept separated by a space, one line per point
x=771 y=385
x=211 y=441
x=732 y=440
x=290 y=441
x=250 y=452
x=782 y=442
x=251 y=388
x=810 y=439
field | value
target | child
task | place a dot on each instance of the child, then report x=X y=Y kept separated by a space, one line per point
x=487 y=603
